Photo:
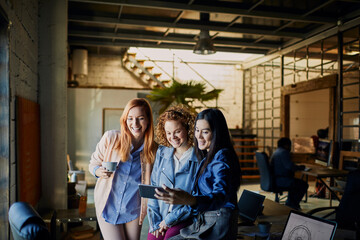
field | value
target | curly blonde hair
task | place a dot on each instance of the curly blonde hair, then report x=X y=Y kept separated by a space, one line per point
x=177 y=113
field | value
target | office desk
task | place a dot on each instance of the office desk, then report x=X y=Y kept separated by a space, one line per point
x=322 y=172
x=64 y=216
x=72 y=215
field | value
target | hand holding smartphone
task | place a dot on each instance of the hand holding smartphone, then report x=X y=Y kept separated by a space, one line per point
x=148 y=191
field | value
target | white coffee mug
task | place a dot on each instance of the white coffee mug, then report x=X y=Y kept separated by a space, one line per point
x=109 y=166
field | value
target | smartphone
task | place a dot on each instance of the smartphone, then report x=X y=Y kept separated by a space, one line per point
x=148 y=191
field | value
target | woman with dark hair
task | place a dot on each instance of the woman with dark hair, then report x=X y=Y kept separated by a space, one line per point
x=119 y=209
x=213 y=200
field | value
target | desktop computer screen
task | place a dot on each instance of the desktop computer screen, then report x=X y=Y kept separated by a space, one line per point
x=323 y=152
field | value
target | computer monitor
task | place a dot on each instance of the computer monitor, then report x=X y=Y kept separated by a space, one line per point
x=323 y=152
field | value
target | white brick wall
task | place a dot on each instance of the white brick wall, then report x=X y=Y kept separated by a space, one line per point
x=106 y=71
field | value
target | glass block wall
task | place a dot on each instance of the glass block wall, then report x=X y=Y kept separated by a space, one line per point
x=350 y=91
x=262 y=87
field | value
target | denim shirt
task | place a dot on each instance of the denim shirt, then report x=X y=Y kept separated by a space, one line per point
x=217 y=186
x=123 y=204
x=163 y=173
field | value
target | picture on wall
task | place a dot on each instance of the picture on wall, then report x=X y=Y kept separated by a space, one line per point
x=111 y=118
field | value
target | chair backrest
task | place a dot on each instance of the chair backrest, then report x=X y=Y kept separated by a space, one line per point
x=265 y=173
x=348 y=211
x=353 y=156
x=26 y=223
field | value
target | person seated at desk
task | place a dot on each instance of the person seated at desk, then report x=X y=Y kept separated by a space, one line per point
x=283 y=170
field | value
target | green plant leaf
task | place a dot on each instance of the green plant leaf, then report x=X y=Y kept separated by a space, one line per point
x=183 y=93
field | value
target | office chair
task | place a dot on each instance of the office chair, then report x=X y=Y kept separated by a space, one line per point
x=266 y=176
x=347 y=214
x=26 y=223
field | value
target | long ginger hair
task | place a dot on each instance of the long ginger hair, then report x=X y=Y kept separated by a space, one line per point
x=124 y=143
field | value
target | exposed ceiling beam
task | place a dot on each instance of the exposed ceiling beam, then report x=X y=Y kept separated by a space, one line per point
x=310 y=40
x=94 y=43
x=214 y=7
x=184 y=24
x=185 y=38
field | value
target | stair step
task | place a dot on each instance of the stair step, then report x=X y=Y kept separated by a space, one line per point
x=249 y=168
x=149 y=68
x=165 y=81
x=250 y=176
x=247 y=161
x=131 y=54
x=140 y=61
x=157 y=75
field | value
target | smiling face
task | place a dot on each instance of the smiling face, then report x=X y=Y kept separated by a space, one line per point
x=137 y=122
x=176 y=134
x=203 y=134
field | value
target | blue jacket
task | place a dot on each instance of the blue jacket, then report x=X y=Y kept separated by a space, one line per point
x=163 y=173
x=218 y=185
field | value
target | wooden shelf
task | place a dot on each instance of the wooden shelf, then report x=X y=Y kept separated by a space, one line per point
x=245 y=146
x=245 y=153
x=237 y=146
x=244 y=139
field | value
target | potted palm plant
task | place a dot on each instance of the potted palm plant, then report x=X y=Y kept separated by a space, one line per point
x=188 y=94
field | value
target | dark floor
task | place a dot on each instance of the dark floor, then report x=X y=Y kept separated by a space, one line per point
x=252 y=186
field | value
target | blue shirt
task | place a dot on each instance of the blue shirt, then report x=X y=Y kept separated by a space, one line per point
x=163 y=173
x=217 y=186
x=123 y=204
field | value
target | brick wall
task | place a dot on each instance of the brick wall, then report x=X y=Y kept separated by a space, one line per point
x=23 y=81
x=106 y=71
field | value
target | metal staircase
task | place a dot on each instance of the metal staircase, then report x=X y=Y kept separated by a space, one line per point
x=141 y=69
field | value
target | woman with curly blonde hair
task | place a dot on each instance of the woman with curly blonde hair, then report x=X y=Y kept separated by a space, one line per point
x=175 y=166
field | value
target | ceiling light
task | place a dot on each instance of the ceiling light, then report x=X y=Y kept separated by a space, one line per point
x=204 y=44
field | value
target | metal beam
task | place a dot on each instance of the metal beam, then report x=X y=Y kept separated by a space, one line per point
x=330 y=32
x=137 y=20
x=214 y=7
x=184 y=38
x=94 y=43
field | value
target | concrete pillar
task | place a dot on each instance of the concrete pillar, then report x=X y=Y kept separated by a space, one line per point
x=53 y=101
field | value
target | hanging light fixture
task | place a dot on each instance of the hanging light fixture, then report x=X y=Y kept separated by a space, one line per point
x=204 y=44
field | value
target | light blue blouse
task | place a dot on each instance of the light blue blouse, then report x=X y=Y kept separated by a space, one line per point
x=163 y=173
x=123 y=204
